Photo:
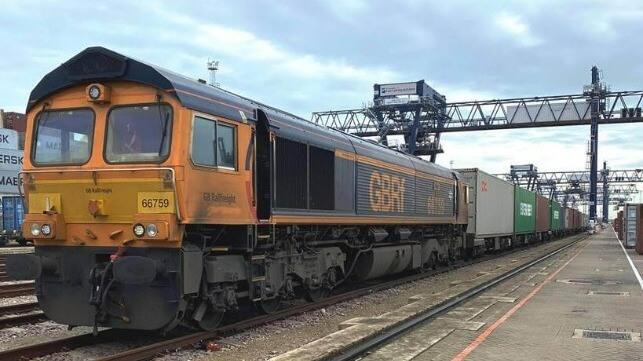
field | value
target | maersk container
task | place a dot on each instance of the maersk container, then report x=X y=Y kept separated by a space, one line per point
x=524 y=211
x=543 y=218
x=557 y=216
x=491 y=204
x=12 y=213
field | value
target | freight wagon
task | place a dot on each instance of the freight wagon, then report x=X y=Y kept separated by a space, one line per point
x=632 y=224
x=491 y=211
x=557 y=218
x=618 y=225
x=543 y=218
x=524 y=215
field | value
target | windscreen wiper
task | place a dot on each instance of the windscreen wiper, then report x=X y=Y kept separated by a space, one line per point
x=164 y=134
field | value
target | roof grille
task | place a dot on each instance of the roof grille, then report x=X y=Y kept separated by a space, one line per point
x=96 y=63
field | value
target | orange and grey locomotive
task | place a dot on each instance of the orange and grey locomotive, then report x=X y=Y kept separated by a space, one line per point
x=155 y=200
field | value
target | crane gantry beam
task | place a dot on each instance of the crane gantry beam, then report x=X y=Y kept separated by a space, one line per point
x=510 y=113
x=576 y=177
x=421 y=115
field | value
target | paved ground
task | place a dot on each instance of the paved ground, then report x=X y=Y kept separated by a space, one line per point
x=541 y=315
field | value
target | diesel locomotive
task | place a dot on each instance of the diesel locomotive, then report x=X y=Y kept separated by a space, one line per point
x=154 y=200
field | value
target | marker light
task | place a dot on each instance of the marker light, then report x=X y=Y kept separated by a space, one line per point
x=152 y=230
x=94 y=92
x=45 y=229
x=139 y=230
x=35 y=229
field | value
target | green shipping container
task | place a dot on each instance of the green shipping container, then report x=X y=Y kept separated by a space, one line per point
x=557 y=219
x=524 y=211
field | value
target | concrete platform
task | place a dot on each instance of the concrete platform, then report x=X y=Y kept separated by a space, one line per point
x=587 y=305
x=357 y=330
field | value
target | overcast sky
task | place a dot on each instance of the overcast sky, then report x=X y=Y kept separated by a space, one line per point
x=305 y=56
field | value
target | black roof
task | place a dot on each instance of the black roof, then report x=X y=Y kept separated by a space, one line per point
x=97 y=64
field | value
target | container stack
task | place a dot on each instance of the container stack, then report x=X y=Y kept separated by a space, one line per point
x=10 y=166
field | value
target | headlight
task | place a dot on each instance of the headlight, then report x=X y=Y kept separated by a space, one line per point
x=152 y=230
x=139 y=230
x=35 y=229
x=45 y=229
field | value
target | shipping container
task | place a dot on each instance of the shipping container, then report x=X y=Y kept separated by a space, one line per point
x=12 y=213
x=618 y=225
x=557 y=217
x=569 y=219
x=578 y=220
x=543 y=212
x=632 y=224
x=524 y=211
x=491 y=206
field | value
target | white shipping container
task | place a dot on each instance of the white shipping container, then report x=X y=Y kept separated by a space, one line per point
x=551 y=112
x=629 y=225
x=491 y=204
x=8 y=139
x=11 y=159
x=9 y=182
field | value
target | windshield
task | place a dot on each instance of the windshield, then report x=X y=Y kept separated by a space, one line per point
x=138 y=134
x=63 y=137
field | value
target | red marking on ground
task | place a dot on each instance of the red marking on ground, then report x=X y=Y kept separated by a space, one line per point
x=480 y=339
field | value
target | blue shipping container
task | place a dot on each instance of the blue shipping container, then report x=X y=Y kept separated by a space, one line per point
x=12 y=213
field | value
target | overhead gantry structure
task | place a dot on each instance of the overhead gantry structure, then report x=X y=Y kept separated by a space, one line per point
x=421 y=115
x=577 y=182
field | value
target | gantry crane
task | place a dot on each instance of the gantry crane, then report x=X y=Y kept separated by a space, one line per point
x=421 y=115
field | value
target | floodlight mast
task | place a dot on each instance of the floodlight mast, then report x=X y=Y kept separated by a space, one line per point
x=213 y=66
x=596 y=94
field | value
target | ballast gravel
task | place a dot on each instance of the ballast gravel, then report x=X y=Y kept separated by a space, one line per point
x=272 y=339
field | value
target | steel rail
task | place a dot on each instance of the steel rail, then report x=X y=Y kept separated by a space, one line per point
x=361 y=348
x=17 y=289
x=151 y=350
x=20 y=314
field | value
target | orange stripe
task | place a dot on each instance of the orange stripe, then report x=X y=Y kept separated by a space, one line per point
x=472 y=346
x=344 y=155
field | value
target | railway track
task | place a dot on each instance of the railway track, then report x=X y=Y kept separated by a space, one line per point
x=20 y=314
x=156 y=347
x=16 y=289
x=388 y=335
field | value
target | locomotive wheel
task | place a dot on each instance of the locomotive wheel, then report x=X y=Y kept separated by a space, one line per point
x=270 y=306
x=211 y=319
x=314 y=295
x=430 y=263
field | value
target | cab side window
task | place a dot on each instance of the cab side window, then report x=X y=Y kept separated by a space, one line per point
x=213 y=144
x=225 y=146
